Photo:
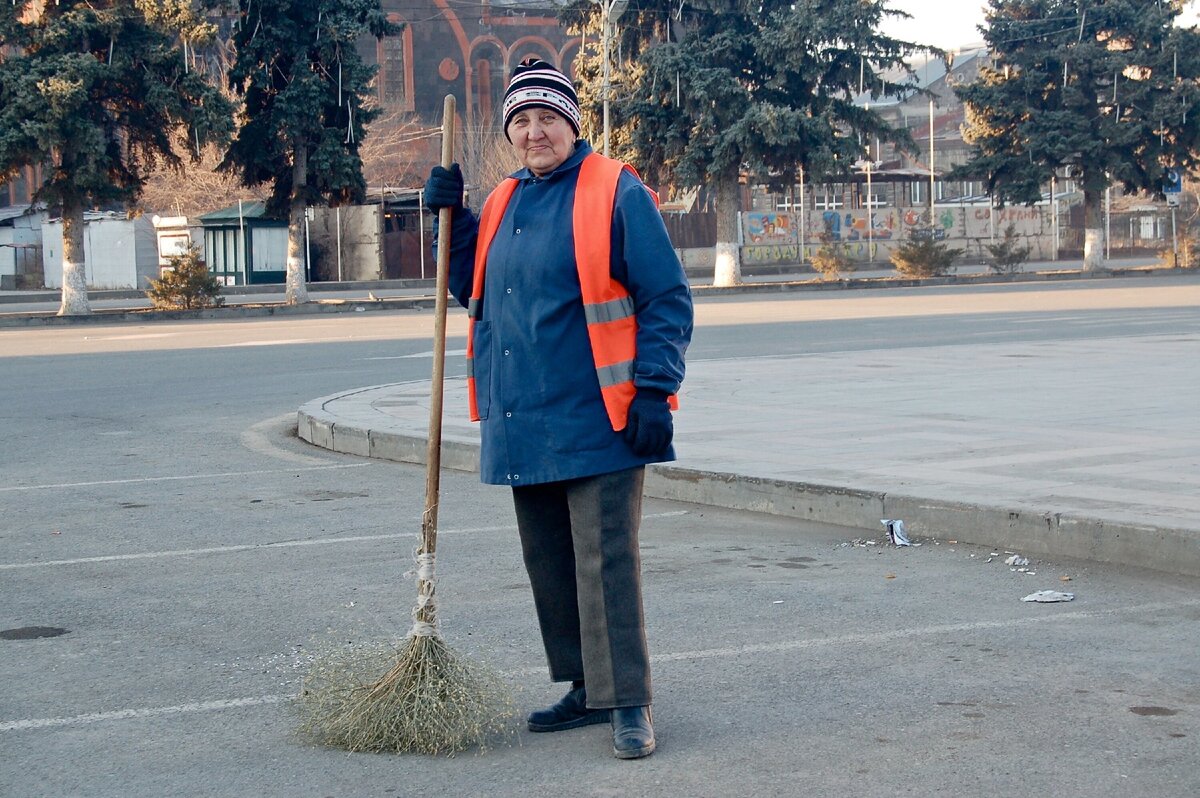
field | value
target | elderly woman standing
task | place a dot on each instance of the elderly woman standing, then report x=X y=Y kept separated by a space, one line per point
x=580 y=315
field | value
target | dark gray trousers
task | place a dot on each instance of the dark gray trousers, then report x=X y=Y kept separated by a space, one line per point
x=579 y=538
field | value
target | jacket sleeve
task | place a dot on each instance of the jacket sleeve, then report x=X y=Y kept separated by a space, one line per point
x=464 y=233
x=646 y=264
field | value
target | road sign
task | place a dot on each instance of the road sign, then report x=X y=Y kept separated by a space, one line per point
x=1172 y=182
x=1172 y=187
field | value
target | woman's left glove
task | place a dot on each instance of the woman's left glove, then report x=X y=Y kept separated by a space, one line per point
x=649 y=429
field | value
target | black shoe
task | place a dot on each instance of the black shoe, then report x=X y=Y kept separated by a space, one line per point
x=570 y=712
x=633 y=732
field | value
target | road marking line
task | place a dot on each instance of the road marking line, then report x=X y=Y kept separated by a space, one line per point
x=149 y=712
x=681 y=656
x=282 y=544
x=131 y=337
x=280 y=342
x=449 y=353
x=898 y=634
x=140 y=480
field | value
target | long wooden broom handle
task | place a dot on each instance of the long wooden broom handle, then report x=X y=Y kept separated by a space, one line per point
x=433 y=455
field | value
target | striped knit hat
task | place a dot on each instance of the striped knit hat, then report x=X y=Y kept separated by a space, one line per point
x=537 y=84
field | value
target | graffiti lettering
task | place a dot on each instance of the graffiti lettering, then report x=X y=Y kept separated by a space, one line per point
x=772 y=254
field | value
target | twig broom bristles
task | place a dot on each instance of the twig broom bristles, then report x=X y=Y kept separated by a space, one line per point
x=430 y=701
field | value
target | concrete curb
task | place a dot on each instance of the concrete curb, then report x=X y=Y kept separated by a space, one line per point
x=50 y=319
x=1046 y=534
x=109 y=316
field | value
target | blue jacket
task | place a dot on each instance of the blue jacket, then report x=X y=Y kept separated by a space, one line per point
x=543 y=416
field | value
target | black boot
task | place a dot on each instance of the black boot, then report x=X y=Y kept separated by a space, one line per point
x=570 y=712
x=633 y=732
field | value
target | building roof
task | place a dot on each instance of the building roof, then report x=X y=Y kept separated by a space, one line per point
x=235 y=213
x=927 y=73
x=7 y=215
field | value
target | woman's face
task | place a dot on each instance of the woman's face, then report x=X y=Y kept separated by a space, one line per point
x=542 y=138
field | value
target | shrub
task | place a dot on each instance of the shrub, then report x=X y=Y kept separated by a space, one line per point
x=1188 y=256
x=830 y=260
x=1007 y=254
x=923 y=256
x=187 y=284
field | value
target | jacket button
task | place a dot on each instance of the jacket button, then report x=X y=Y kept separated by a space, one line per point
x=508 y=415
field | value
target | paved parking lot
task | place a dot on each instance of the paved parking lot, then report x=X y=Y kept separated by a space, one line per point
x=788 y=659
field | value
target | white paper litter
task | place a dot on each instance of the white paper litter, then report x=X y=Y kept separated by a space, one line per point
x=895 y=530
x=1049 y=596
x=1017 y=559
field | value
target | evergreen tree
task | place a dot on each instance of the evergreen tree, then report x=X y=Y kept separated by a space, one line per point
x=1105 y=89
x=98 y=92
x=715 y=89
x=305 y=87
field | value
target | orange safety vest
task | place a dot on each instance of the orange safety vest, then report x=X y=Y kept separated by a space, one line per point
x=607 y=306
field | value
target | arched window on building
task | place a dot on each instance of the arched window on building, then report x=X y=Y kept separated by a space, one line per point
x=487 y=62
x=394 y=80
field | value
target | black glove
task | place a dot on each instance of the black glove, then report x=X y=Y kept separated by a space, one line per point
x=649 y=428
x=444 y=188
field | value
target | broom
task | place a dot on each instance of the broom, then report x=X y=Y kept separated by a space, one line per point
x=430 y=701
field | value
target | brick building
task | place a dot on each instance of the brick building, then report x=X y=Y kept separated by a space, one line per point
x=464 y=47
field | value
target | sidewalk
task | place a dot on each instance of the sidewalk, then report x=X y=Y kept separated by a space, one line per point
x=40 y=307
x=1039 y=448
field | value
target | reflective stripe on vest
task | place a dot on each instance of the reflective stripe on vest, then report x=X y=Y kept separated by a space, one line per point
x=608 y=308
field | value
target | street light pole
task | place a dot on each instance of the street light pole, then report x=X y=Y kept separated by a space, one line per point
x=611 y=11
x=607 y=84
x=932 y=178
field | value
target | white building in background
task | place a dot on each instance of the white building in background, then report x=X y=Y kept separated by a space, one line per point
x=21 y=246
x=119 y=252
x=175 y=235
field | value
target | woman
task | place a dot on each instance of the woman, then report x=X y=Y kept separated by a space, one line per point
x=580 y=315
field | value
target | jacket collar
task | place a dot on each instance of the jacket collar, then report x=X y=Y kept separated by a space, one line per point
x=582 y=150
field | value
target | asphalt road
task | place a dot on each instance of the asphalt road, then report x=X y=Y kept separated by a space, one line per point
x=157 y=507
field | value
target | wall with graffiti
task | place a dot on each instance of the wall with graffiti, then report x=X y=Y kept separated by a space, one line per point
x=778 y=237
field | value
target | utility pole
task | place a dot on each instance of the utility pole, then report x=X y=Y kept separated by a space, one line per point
x=932 y=178
x=612 y=11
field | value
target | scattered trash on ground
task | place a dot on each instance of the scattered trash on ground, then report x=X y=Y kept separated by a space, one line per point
x=895 y=530
x=1017 y=560
x=1049 y=596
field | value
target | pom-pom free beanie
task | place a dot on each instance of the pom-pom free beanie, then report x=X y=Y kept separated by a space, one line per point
x=537 y=84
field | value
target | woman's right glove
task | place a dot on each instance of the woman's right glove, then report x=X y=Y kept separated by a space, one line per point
x=444 y=188
x=649 y=428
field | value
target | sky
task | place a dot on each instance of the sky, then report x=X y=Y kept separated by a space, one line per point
x=950 y=24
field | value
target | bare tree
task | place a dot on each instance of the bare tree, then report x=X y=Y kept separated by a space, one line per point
x=487 y=158
x=396 y=148
x=195 y=188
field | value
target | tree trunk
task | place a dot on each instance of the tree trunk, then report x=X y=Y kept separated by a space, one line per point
x=1093 y=230
x=74 y=274
x=728 y=269
x=297 y=290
